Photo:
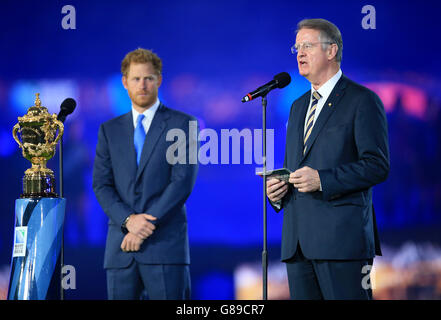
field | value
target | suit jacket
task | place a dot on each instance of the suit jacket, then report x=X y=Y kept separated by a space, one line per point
x=349 y=147
x=155 y=186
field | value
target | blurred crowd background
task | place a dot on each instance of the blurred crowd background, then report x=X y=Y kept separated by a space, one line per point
x=213 y=53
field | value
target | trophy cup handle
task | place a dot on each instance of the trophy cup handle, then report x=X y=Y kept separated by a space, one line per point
x=60 y=126
x=14 y=134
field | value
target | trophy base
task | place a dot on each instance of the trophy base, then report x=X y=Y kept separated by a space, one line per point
x=39 y=185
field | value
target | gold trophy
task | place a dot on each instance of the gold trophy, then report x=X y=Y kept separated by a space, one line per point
x=37 y=130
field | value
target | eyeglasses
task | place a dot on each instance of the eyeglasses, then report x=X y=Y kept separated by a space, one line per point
x=306 y=46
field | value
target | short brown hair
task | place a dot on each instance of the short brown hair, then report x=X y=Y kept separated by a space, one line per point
x=141 y=56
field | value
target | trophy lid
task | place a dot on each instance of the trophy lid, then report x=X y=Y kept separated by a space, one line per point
x=36 y=113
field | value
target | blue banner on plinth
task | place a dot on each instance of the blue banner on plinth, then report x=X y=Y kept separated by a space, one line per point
x=35 y=267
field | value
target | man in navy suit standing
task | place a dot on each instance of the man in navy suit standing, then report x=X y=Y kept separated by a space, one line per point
x=143 y=191
x=337 y=149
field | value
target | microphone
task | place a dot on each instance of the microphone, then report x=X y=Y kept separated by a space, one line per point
x=66 y=108
x=280 y=80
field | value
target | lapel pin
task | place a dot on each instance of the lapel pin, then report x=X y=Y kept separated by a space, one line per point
x=330 y=104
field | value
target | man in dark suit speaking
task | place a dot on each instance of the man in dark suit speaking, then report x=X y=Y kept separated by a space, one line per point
x=142 y=192
x=337 y=149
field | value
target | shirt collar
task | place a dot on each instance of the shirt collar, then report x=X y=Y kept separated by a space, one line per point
x=149 y=113
x=326 y=89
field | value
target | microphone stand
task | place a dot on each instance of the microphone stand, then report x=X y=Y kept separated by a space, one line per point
x=62 y=230
x=265 y=249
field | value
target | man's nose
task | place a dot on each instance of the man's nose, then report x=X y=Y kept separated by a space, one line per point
x=143 y=84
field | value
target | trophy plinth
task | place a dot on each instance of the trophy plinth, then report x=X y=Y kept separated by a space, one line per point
x=37 y=129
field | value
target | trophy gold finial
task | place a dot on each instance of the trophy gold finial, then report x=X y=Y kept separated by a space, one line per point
x=37 y=100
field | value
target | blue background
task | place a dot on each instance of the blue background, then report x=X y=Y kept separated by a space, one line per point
x=214 y=52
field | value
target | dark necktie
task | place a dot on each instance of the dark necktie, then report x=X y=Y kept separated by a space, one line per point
x=315 y=98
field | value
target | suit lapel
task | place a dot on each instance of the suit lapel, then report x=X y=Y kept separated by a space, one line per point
x=301 y=126
x=327 y=110
x=127 y=145
x=157 y=126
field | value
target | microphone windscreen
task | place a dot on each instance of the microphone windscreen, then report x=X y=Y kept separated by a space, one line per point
x=68 y=106
x=283 y=79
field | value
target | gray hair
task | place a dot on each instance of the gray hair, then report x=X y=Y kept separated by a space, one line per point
x=328 y=33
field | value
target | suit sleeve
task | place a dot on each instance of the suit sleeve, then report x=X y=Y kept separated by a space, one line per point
x=103 y=183
x=371 y=140
x=183 y=176
x=278 y=206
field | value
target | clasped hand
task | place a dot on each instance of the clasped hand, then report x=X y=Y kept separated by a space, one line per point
x=140 y=228
x=304 y=179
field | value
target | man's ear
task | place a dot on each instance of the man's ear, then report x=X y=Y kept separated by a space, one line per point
x=124 y=81
x=332 y=51
x=159 y=80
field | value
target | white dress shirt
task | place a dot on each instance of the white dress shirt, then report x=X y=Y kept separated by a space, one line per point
x=325 y=90
x=149 y=114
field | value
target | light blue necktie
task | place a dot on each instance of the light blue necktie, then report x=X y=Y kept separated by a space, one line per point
x=139 y=137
